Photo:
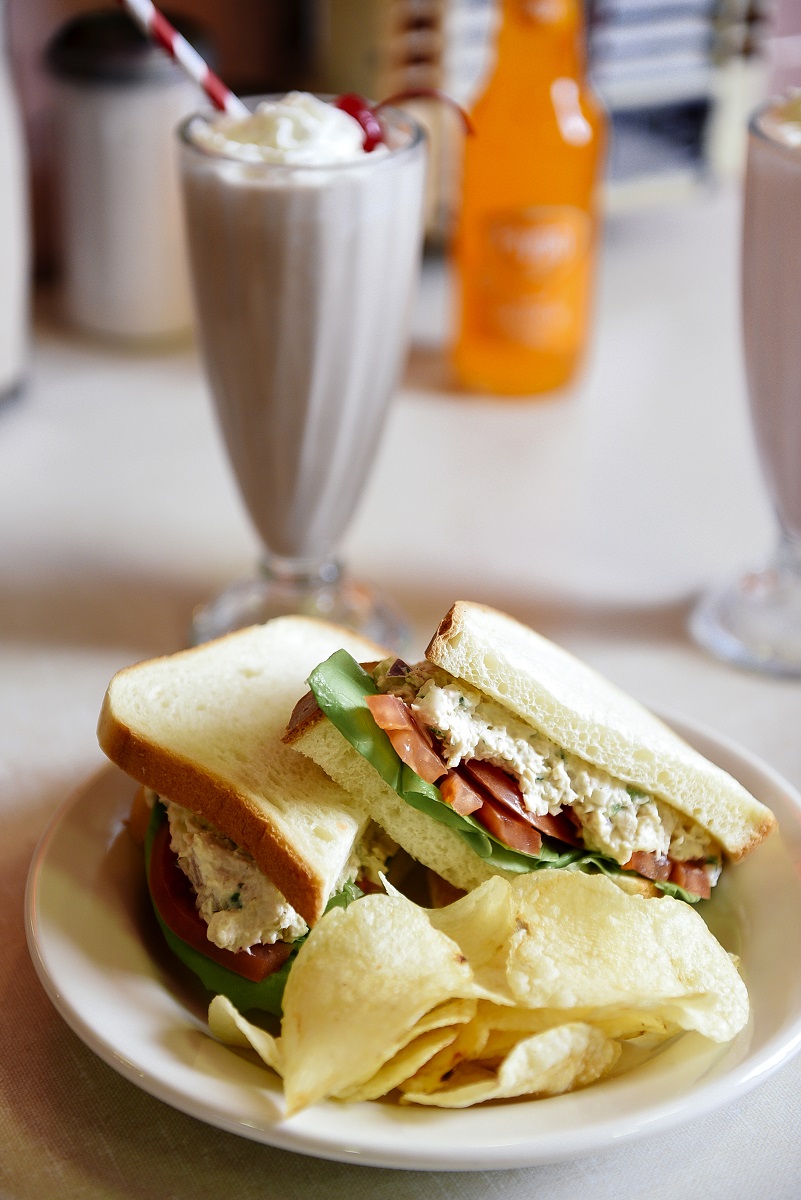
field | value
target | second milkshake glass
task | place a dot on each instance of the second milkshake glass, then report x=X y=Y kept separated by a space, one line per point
x=756 y=620
x=303 y=281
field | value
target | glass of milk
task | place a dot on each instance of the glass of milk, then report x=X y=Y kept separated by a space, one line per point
x=756 y=621
x=304 y=252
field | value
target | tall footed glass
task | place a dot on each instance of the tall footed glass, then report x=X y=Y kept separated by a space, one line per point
x=303 y=279
x=756 y=620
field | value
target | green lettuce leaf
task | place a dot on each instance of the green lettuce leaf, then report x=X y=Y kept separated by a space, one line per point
x=340 y=686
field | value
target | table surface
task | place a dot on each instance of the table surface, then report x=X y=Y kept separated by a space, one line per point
x=595 y=515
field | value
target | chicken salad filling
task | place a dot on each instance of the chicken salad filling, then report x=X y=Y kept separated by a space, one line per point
x=612 y=817
x=239 y=904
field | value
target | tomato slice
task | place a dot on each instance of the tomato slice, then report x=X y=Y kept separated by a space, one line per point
x=649 y=864
x=506 y=790
x=460 y=794
x=388 y=711
x=557 y=825
x=410 y=747
x=692 y=877
x=173 y=897
x=411 y=744
x=508 y=827
x=500 y=785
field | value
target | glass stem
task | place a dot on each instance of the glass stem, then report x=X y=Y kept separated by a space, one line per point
x=297 y=574
x=788 y=555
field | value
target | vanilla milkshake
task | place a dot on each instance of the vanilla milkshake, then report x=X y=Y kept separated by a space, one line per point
x=304 y=251
x=772 y=301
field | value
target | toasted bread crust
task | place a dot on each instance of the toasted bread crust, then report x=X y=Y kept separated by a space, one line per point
x=443 y=632
x=187 y=784
x=305 y=714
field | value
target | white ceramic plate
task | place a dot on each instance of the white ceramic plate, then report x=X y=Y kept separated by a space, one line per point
x=99 y=956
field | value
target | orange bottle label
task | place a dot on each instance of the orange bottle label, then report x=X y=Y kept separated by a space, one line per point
x=534 y=266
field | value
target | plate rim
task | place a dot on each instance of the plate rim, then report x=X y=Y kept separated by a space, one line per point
x=398 y=1152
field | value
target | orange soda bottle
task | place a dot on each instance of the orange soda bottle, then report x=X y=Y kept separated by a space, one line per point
x=526 y=237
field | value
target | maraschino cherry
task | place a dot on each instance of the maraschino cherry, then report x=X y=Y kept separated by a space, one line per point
x=357 y=107
x=367 y=115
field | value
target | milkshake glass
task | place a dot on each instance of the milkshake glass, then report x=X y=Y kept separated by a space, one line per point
x=756 y=621
x=304 y=266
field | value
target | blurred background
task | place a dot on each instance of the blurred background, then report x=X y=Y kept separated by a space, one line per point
x=677 y=78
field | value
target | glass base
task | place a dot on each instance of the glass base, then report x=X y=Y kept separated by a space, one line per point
x=322 y=590
x=756 y=621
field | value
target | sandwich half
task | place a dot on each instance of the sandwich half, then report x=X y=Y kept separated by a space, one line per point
x=502 y=753
x=247 y=843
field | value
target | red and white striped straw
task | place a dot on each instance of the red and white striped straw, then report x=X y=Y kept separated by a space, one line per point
x=157 y=27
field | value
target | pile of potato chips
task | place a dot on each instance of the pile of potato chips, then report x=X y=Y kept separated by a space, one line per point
x=522 y=988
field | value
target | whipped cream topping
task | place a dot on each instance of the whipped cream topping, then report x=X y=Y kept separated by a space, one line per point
x=782 y=120
x=297 y=129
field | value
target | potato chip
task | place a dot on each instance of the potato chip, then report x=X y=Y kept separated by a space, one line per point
x=481 y=923
x=439 y=1027
x=467 y=1046
x=228 y=1025
x=451 y=1012
x=405 y=1063
x=615 y=1021
x=627 y=1023
x=363 y=980
x=489 y=1037
x=546 y=1064
x=582 y=943
x=528 y=987
x=495 y=1030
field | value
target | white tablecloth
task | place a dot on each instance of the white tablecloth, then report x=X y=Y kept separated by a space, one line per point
x=596 y=516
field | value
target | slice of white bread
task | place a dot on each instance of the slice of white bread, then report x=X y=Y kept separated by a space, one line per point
x=203 y=728
x=584 y=713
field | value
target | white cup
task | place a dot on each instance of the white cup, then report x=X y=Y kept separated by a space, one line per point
x=123 y=249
